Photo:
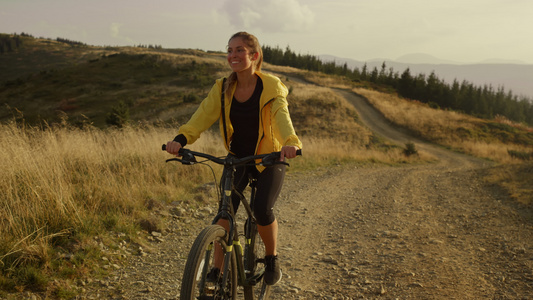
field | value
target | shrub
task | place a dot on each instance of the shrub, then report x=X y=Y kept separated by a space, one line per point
x=119 y=115
x=520 y=154
x=410 y=149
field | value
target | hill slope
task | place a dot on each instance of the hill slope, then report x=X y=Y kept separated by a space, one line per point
x=46 y=80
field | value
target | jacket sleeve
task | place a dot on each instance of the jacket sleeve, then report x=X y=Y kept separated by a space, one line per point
x=282 y=124
x=206 y=115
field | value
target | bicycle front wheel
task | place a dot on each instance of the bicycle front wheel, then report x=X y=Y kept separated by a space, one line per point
x=196 y=284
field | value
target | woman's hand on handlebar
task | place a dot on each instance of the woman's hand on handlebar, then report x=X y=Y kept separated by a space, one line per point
x=173 y=148
x=288 y=152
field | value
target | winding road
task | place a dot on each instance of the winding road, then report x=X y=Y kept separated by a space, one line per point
x=433 y=231
x=419 y=231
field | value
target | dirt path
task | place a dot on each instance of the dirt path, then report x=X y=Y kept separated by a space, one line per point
x=417 y=232
x=432 y=231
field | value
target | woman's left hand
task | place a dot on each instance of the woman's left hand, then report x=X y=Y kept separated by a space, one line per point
x=288 y=152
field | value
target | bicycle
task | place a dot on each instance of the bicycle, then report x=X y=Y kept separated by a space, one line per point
x=240 y=267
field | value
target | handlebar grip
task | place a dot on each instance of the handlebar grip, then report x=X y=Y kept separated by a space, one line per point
x=164 y=148
x=299 y=152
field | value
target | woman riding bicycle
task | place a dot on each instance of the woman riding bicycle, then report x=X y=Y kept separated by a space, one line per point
x=256 y=120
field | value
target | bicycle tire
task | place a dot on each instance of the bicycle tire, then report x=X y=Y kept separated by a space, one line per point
x=199 y=260
x=254 y=251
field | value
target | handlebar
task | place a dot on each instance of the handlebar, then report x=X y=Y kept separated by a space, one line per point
x=188 y=157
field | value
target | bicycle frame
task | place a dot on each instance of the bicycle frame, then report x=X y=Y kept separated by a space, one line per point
x=226 y=212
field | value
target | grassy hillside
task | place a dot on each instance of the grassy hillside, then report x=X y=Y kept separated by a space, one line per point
x=508 y=144
x=86 y=83
x=497 y=139
x=67 y=177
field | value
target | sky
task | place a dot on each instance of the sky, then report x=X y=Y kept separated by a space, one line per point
x=461 y=31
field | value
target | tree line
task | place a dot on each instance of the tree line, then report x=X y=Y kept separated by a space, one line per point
x=70 y=42
x=150 y=46
x=480 y=101
x=10 y=43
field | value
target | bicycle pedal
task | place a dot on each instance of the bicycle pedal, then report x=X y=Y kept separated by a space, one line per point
x=256 y=278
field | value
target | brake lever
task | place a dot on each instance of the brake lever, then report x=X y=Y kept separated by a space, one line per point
x=186 y=159
x=174 y=159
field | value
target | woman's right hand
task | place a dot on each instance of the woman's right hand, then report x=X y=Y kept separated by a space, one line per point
x=173 y=148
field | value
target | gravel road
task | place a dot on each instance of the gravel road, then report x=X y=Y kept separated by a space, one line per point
x=428 y=231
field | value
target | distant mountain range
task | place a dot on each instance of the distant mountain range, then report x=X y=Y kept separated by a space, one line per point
x=511 y=75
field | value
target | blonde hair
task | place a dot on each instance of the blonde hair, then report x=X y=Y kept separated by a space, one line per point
x=251 y=41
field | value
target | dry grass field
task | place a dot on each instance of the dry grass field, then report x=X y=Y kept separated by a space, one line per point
x=63 y=186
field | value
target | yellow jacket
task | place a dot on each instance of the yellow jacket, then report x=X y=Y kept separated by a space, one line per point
x=275 y=125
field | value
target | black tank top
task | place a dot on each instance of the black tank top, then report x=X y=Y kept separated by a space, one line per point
x=245 y=120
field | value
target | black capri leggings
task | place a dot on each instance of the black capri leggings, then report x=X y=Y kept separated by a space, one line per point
x=269 y=183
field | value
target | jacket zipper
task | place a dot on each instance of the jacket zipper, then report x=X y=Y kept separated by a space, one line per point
x=261 y=124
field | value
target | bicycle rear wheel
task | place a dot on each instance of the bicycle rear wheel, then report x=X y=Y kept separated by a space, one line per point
x=200 y=261
x=254 y=266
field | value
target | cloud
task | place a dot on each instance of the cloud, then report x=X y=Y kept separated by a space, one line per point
x=269 y=15
x=115 y=33
x=115 y=29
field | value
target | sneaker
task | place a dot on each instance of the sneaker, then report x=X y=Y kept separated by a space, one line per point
x=213 y=275
x=272 y=272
